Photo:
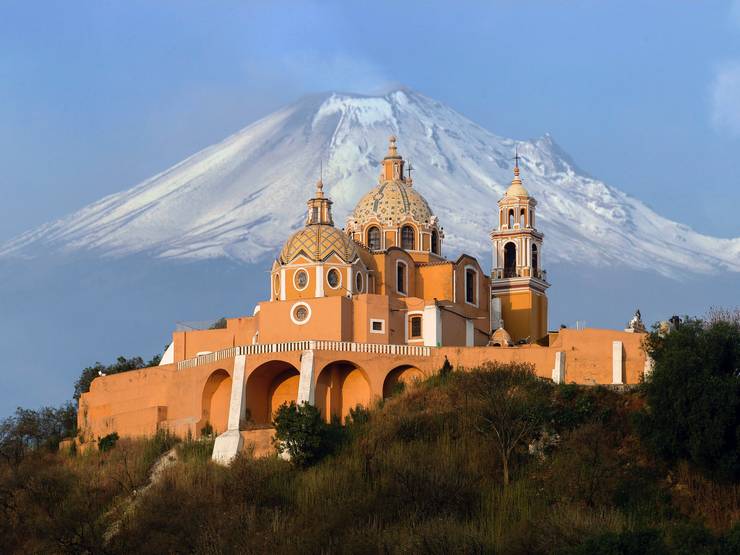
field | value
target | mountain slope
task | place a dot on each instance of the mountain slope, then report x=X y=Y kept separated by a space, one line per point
x=238 y=199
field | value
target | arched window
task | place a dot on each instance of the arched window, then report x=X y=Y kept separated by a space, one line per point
x=401 y=277
x=407 y=238
x=435 y=242
x=531 y=218
x=521 y=218
x=470 y=286
x=511 y=218
x=315 y=215
x=373 y=238
x=509 y=260
x=534 y=259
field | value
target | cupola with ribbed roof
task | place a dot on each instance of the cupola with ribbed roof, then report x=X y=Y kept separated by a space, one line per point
x=395 y=214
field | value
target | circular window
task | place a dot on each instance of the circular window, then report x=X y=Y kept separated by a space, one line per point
x=300 y=279
x=358 y=283
x=300 y=313
x=333 y=278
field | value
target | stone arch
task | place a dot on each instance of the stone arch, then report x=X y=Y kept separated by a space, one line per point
x=405 y=374
x=268 y=386
x=215 y=400
x=340 y=386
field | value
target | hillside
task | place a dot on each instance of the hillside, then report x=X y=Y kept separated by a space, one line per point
x=419 y=473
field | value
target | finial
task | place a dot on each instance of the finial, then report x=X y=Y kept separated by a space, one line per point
x=516 y=161
x=392 y=149
x=320 y=188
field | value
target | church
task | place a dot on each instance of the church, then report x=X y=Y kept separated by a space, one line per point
x=352 y=313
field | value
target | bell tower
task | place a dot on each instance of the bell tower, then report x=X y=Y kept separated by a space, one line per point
x=518 y=282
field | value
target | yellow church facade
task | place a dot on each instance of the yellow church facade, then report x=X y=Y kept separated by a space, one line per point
x=352 y=312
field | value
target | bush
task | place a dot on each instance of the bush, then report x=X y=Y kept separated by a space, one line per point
x=106 y=443
x=693 y=397
x=300 y=431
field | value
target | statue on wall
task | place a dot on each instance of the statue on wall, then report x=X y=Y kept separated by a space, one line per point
x=635 y=324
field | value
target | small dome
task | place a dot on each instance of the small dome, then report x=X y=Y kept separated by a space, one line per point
x=501 y=337
x=317 y=242
x=392 y=200
x=516 y=189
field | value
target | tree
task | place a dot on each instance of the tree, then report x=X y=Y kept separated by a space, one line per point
x=693 y=395
x=513 y=406
x=35 y=429
x=301 y=432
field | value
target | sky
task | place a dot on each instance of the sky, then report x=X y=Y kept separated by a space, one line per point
x=97 y=96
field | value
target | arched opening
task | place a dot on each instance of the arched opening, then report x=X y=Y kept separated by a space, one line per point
x=471 y=286
x=509 y=260
x=534 y=259
x=401 y=281
x=215 y=402
x=401 y=378
x=269 y=386
x=531 y=218
x=511 y=218
x=407 y=238
x=373 y=238
x=341 y=386
x=435 y=242
x=521 y=218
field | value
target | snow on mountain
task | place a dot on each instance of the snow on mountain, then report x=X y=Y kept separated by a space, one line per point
x=242 y=197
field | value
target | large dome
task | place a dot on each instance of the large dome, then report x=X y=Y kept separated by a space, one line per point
x=391 y=202
x=317 y=242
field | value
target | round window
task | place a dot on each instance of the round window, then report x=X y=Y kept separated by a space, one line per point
x=301 y=279
x=300 y=313
x=333 y=278
x=358 y=282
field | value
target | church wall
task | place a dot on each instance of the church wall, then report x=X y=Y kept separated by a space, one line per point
x=435 y=282
x=331 y=319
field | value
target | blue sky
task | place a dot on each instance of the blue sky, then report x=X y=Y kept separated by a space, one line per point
x=95 y=96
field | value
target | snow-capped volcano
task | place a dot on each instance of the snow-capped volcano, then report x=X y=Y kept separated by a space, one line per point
x=240 y=198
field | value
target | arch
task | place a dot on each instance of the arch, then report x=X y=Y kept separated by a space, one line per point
x=373 y=238
x=341 y=386
x=534 y=259
x=521 y=217
x=407 y=238
x=268 y=386
x=215 y=400
x=405 y=374
x=509 y=260
x=511 y=218
x=435 y=241
x=402 y=275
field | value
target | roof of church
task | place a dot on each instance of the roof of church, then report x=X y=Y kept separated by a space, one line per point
x=516 y=189
x=317 y=242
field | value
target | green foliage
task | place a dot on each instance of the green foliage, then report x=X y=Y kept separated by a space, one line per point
x=36 y=429
x=219 y=324
x=641 y=542
x=693 y=397
x=106 y=443
x=300 y=431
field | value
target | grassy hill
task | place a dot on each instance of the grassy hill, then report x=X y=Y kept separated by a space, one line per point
x=422 y=472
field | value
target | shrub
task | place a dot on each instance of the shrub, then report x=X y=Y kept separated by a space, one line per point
x=693 y=397
x=106 y=443
x=300 y=431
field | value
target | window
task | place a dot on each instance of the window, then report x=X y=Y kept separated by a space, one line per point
x=300 y=313
x=435 y=242
x=471 y=277
x=276 y=285
x=415 y=327
x=377 y=326
x=373 y=238
x=358 y=282
x=534 y=259
x=401 y=277
x=334 y=278
x=521 y=218
x=300 y=279
x=315 y=215
x=509 y=260
x=511 y=219
x=531 y=218
x=407 y=238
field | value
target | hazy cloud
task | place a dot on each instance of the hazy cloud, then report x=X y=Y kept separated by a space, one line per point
x=725 y=98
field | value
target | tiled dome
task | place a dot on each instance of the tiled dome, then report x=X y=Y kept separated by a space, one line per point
x=392 y=201
x=317 y=242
